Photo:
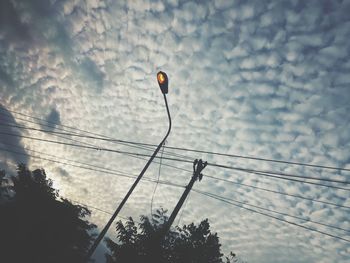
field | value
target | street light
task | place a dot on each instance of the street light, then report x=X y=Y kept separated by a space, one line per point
x=162 y=79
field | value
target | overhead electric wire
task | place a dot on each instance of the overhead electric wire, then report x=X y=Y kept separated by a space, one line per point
x=276 y=212
x=217 y=165
x=212 y=164
x=155 y=187
x=271 y=216
x=278 y=173
x=101 y=210
x=177 y=185
x=66 y=159
x=92 y=169
x=197 y=151
x=260 y=159
x=57 y=133
x=127 y=153
x=15 y=125
x=91 y=207
x=207 y=176
x=98 y=209
x=251 y=171
x=98 y=148
x=277 y=192
x=298 y=181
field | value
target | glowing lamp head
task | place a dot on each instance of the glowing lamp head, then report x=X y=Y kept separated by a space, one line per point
x=162 y=79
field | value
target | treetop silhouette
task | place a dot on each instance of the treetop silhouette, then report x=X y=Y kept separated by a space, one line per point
x=36 y=226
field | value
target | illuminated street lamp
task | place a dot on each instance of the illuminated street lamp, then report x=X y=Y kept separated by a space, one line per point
x=162 y=79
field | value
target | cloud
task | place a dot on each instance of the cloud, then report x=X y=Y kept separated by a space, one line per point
x=11 y=26
x=53 y=119
x=258 y=78
x=91 y=73
x=65 y=176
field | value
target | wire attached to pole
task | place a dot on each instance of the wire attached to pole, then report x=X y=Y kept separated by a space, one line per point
x=155 y=188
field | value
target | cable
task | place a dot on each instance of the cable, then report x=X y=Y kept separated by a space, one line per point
x=88 y=147
x=181 y=160
x=277 y=192
x=274 y=217
x=155 y=188
x=130 y=154
x=299 y=181
x=260 y=159
x=69 y=160
x=278 y=173
x=250 y=171
x=92 y=169
x=105 y=138
x=176 y=185
x=208 y=176
x=273 y=211
x=125 y=143
x=91 y=207
x=200 y=151
x=99 y=209
x=24 y=127
x=212 y=164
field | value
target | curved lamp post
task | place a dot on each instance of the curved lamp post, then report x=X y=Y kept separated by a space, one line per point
x=162 y=79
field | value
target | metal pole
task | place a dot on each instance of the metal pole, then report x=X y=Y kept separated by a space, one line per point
x=105 y=229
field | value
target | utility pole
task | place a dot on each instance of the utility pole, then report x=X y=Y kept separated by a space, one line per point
x=156 y=255
x=198 y=167
x=156 y=249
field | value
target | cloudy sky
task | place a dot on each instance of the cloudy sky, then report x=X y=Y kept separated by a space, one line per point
x=259 y=78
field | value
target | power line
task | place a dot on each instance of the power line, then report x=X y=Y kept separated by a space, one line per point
x=277 y=192
x=59 y=157
x=207 y=176
x=57 y=133
x=228 y=202
x=276 y=212
x=260 y=159
x=24 y=127
x=109 y=169
x=99 y=209
x=278 y=173
x=197 y=151
x=98 y=148
x=54 y=126
x=177 y=185
x=155 y=187
x=212 y=164
x=250 y=171
x=271 y=216
x=299 y=181
x=92 y=169
x=92 y=207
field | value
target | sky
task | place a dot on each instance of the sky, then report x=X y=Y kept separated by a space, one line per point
x=267 y=79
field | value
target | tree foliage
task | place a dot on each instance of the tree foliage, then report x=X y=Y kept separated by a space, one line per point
x=36 y=226
x=142 y=242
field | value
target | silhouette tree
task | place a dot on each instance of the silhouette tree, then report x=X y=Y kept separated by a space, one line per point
x=143 y=243
x=36 y=226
